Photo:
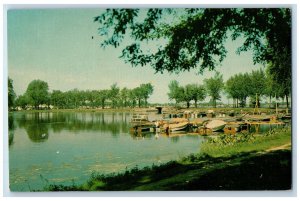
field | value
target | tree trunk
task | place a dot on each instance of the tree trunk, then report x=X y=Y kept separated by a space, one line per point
x=270 y=101
x=287 y=101
x=196 y=104
x=103 y=103
x=215 y=103
x=139 y=102
x=188 y=104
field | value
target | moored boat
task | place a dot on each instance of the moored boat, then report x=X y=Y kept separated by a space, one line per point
x=174 y=127
x=215 y=125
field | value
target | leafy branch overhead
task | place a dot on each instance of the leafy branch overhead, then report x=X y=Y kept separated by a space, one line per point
x=194 y=38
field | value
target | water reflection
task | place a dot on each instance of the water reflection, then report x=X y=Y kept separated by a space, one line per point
x=38 y=124
x=11 y=127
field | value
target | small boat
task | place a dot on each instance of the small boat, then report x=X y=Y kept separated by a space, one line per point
x=174 y=127
x=215 y=125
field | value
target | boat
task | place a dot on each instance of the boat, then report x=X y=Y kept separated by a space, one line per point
x=215 y=125
x=175 y=127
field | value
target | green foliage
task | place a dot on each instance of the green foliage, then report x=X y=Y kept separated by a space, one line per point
x=226 y=145
x=11 y=94
x=238 y=87
x=186 y=93
x=174 y=91
x=146 y=91
x=22 y=101
x=196 y=37
x=124 y=96
x=214 y=87
x=37 y=93
x=113 y=94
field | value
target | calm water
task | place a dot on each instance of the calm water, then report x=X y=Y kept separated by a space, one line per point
x=63 y=148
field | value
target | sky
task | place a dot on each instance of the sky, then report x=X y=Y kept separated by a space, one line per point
x=56 y=46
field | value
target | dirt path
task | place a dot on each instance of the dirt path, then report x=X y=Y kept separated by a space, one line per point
x=285 y=146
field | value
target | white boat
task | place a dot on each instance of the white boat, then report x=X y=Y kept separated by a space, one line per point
x=216 y=125
x=174 y=127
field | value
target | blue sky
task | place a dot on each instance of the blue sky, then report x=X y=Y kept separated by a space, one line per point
x=56 y=45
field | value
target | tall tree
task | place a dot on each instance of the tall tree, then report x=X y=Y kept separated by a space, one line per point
x=124 y=95
x=258 y=84
x=58 y=99
x=238 y=87
x=137 y=93
x=146 y=90
x=11 y=94
x=175 y=91
x=37 y=93
x=114 y=94
x=103 y=96
x=22 y=101
x=214 y=87
x=198 y=93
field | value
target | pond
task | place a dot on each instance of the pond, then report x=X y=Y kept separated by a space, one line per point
x=67 y=147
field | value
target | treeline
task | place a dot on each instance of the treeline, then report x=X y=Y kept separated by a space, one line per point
x=37 y=96
x=239 y=87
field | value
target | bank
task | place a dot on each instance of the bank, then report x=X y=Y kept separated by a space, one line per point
x=237 y=163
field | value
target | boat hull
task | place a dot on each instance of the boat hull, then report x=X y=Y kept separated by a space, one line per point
x=216 y=125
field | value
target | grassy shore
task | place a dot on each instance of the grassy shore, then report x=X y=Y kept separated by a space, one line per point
x=229 y=163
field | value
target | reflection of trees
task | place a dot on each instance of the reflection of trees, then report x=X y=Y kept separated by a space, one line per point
x=37 y=132
x=141 y=135
x=11 y=129
x=175 y=139
x=38 y=124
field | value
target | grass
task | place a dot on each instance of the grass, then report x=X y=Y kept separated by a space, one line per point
x=243 y=165
x=255 y=143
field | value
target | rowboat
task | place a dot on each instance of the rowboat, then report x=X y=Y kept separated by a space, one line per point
x=174 y=127
x=215 y=125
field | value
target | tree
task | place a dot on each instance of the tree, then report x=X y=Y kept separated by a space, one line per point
x=124 y=96
x=175 y=91
x=22 y=101
x=137 y=93
x=132 y=97
x=103 y=96
x=196 y=37
x=214 y=87
x=58 y=99
x=146 y=91
x=187 y=94
x=271 y=88
x=37 y=93
x=198 y=93
x=11 y=94
x=258 y=85
x=280 y=78
x=238 y=87
x=113 y=94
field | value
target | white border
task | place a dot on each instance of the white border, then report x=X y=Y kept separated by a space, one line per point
x=153 y=3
